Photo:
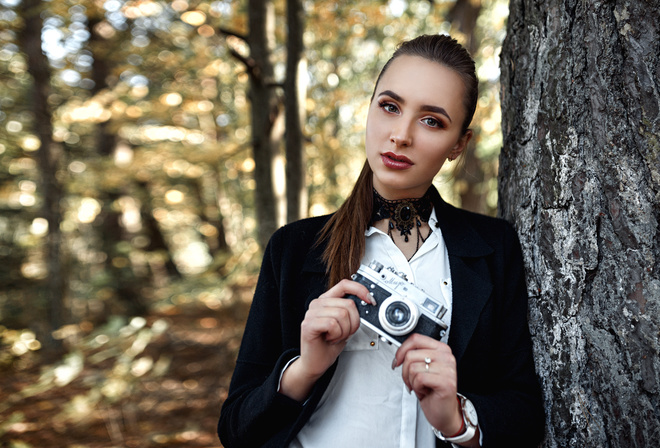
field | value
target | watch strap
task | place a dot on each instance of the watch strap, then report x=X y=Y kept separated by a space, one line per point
x=463 y=436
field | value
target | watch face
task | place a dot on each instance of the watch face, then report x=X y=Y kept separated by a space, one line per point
x=470 y=412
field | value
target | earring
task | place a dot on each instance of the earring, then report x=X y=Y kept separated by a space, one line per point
x=450 y=159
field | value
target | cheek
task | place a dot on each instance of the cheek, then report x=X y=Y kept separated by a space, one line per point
x=372 y=135
x=439 y=147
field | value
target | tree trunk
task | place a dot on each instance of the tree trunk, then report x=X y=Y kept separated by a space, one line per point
x=294 y=88
x=463 y=15
x=209 y=213
x=106 y=140
x=167 y=269
x=266 y=118
x=580 y=179
x=48 y=163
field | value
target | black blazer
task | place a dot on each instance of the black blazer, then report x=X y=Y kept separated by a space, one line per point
x=489 y=333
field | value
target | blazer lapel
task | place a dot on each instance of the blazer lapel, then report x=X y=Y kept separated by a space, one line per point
x=471 y=286
x=470 y=292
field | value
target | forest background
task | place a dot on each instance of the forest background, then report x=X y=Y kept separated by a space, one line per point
x=131 y=162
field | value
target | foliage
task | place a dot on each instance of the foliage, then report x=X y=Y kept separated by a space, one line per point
x=158 y=83
x=134 y=382
x=150 y=113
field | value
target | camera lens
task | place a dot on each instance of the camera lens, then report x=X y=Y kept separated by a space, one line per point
x=398 y=316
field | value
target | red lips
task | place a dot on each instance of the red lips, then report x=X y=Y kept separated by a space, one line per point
x=396 y=161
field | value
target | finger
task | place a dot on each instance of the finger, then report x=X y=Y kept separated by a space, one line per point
x=417 y=361
x=435 y=376
x=347 y=305
x=328 y=328
x=417 y=342
x=339 y=303
x=346 y=287
x=339 y=317
x=411 y=360
x=439 y=385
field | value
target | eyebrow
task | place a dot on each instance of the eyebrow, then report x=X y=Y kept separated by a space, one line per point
x=426 y=107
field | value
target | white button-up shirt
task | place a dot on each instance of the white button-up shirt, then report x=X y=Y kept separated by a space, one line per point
x=366 y=403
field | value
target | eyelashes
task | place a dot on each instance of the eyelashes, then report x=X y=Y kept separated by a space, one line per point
x=392 y=108
x=433 y=123
x=388 y=107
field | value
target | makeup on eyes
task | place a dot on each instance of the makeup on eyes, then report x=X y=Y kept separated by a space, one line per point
x=424 y=108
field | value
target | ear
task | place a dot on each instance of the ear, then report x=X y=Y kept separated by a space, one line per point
x=461 y=144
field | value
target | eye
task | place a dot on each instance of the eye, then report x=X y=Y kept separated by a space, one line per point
x=433 y=122
x=388 y=107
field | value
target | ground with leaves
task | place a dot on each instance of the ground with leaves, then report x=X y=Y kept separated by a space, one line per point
x=157 y=381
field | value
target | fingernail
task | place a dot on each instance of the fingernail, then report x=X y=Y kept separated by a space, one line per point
x=394 y=364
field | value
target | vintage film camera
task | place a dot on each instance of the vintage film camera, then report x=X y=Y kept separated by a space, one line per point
x=402 y=308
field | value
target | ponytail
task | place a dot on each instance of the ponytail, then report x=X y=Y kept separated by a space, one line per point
x=344 y=232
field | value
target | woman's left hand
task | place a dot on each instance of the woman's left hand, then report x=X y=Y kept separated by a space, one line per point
x=433 y=382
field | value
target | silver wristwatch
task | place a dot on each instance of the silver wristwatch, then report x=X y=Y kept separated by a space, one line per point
x=469 y=418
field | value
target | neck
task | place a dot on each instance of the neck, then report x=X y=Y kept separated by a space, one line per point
x=393 y=194
x=406 y=216
x=403 y=214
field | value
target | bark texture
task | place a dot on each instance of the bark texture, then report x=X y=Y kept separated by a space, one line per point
x=580 y=179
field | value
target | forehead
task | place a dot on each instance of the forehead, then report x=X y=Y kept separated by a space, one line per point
x=417 y=78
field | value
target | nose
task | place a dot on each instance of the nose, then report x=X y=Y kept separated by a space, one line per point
x=401 y=135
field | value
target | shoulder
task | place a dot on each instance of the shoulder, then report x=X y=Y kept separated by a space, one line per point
x=484 y=224
x=307 y=224
x=472 y=234
x=297 y=239
x=295 y=247
x=305 y=229
x=469 y=229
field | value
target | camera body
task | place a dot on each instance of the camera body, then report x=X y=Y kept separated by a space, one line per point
x=401 y=309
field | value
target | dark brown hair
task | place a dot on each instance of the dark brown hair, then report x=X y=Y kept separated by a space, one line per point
x=344 y=231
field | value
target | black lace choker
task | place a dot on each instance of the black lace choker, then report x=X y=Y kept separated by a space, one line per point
x=404 y=214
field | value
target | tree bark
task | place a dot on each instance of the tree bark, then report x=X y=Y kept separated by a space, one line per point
x=580 y=179
x=294 y=88
x=48 y=161
x=266 y=115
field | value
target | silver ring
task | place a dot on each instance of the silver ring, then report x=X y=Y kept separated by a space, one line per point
x=427 y=362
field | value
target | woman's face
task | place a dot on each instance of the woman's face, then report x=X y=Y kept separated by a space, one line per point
x=414 y=124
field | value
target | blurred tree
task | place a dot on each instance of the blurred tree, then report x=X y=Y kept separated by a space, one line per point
x=464 y=15
x=121 y=277
x=295 y=87
x=19 y=217
x=50 y=159
x=162 y=150
x=266 y=117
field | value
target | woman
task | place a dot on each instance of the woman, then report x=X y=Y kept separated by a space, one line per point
x=309 y=375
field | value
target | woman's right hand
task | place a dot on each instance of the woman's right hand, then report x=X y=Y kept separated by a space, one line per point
x=330 y=320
